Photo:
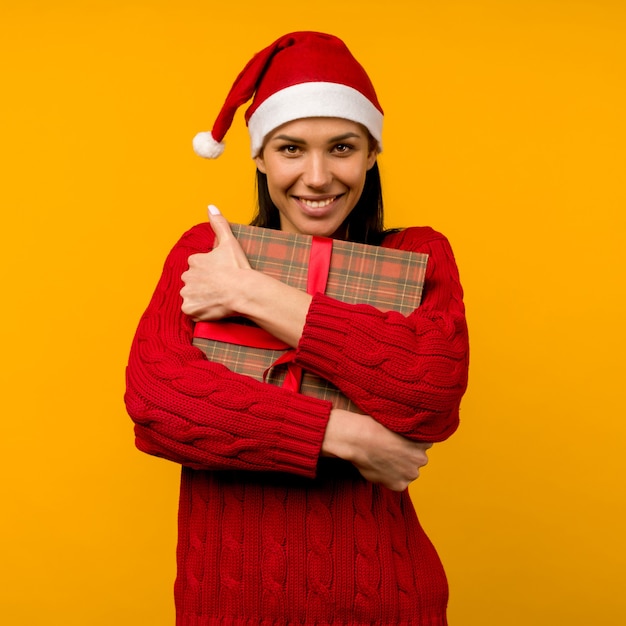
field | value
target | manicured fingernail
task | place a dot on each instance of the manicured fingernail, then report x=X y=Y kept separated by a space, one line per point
x=213 y=210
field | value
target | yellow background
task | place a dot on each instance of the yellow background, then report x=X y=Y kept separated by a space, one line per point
x=504 y=129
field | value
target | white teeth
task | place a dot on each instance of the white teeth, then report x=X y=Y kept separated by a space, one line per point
x=317 y=204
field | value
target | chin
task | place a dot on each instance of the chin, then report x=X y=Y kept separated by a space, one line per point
x=332 y=232
x=315 y=227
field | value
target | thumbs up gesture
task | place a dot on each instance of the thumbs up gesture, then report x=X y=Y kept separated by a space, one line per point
x=211 y=283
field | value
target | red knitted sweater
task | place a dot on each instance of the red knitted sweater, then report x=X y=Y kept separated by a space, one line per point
x=269 y=533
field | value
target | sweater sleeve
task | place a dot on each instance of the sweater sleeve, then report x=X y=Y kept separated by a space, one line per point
x=201 y=414
x=409 y=373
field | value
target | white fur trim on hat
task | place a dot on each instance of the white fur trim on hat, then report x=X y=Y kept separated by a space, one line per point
x=205 y=146
x=318 y=99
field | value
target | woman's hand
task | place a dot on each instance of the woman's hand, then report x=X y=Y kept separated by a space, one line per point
x=221 y=283
x=380 y=455
x=213 y=278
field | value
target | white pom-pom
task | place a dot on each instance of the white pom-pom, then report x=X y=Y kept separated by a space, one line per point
x=205 y=146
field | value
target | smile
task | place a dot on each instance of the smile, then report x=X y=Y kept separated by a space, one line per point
x=317 y=204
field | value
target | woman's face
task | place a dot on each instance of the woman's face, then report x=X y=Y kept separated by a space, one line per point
x=315 y=171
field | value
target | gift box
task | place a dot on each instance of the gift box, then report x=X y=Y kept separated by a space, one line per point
x=351 y=272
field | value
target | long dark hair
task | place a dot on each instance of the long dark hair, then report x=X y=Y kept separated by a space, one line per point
x=363 y=225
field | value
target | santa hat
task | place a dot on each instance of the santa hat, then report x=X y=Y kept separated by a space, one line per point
x=302 y=74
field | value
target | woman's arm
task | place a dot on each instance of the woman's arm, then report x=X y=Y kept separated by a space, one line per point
x=409 y=373
x=200 y=413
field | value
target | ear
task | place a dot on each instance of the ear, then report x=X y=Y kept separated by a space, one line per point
x=371 y=158
x=260 y=163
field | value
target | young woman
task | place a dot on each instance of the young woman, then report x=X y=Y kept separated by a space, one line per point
x=293 y=511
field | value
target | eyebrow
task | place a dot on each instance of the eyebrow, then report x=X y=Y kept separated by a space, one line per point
x=343 y=137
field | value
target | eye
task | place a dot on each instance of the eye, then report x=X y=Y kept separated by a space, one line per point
x=343 y=148
x=289 y=149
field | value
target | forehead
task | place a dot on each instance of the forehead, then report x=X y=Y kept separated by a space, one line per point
x=318 y=128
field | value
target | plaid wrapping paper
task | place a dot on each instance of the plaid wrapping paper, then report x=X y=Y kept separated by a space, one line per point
x=384 y=278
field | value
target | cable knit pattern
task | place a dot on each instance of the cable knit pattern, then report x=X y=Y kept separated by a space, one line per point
x=269 y=534
x=407 y=372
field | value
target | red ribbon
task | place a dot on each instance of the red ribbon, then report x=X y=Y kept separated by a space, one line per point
x=255 y=337
x=239 y=334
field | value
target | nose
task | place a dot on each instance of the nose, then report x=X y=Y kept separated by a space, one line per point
x=317 y=173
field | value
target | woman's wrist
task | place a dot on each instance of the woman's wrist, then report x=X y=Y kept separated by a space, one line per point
x=342 y=434
x=273 y=305
x=242 y=292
